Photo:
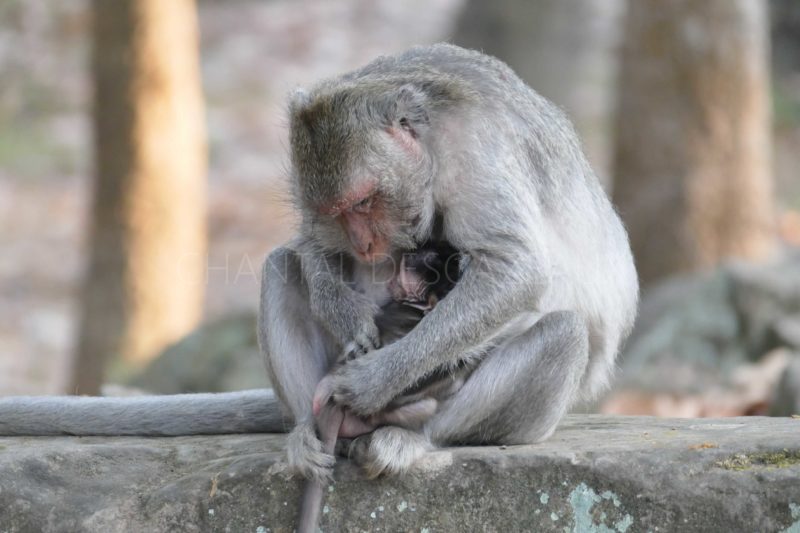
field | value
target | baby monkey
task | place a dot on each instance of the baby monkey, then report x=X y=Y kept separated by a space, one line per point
x=425 y=276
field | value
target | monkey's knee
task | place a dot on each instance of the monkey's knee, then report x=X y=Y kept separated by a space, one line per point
x=562 y=355
x=520 y=392
x=557 y=351
x=564 y=351
x=562 y=331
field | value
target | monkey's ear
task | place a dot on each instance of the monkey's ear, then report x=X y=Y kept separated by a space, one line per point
x=299 y=99
x=410 y=110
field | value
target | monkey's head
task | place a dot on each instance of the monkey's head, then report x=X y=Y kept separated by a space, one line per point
x=427 y=273
x=361 y=171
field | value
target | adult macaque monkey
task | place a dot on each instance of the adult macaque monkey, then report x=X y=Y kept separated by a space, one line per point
x=550 y=290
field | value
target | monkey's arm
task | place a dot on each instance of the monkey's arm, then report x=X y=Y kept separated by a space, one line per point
x=346 y=314
x=496 y=287
x=502 y=228
x=253 y=411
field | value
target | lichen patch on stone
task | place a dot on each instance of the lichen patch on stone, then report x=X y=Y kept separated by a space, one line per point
x=588 y=517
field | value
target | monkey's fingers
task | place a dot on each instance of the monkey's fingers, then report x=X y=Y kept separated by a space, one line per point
x=357 y=405
x=354 y=388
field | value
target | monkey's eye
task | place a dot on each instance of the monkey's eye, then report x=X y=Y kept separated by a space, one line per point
x=363 y=206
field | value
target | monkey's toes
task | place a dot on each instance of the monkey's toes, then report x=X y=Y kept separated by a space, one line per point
x=355 y=449
x=342 y=448
x=392 y=451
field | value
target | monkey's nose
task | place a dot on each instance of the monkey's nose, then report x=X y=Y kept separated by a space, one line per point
x=365 y=250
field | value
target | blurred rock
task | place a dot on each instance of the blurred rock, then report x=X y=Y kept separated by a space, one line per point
x=748 y=391
x=219 y=356
x=786 y=331
x=764 y=296
x=713 y=344
x=686 y=332
x=787 y=396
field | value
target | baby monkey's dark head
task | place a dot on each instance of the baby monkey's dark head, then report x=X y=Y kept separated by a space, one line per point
x=426 y=274
x=362 y=172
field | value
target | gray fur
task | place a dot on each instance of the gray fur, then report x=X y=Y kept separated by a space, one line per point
x=550 y=291
x=253 y=411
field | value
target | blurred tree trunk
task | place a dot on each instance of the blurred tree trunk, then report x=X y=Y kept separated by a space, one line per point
x=566 y=50
x=693 y=180
x=145 y=280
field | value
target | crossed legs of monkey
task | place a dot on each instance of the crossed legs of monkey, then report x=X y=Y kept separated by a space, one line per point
x=517 y=394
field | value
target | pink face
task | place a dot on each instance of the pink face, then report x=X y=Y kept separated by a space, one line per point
x=408 y=285
x=362 y=211
x=362 y=215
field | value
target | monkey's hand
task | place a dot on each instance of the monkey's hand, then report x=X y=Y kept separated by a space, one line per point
x=364 y=385
x=351 y=425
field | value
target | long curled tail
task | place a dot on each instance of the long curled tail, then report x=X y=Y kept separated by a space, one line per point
x=252 y=411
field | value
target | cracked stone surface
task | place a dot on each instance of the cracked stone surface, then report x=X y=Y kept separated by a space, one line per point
x=597 y=473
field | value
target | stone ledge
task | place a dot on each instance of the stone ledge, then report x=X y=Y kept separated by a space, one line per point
x=597 y=473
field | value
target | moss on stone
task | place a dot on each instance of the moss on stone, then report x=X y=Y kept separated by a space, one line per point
x=746 y=461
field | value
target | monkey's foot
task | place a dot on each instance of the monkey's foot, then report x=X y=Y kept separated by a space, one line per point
x=305 y=455
x=388 y=451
